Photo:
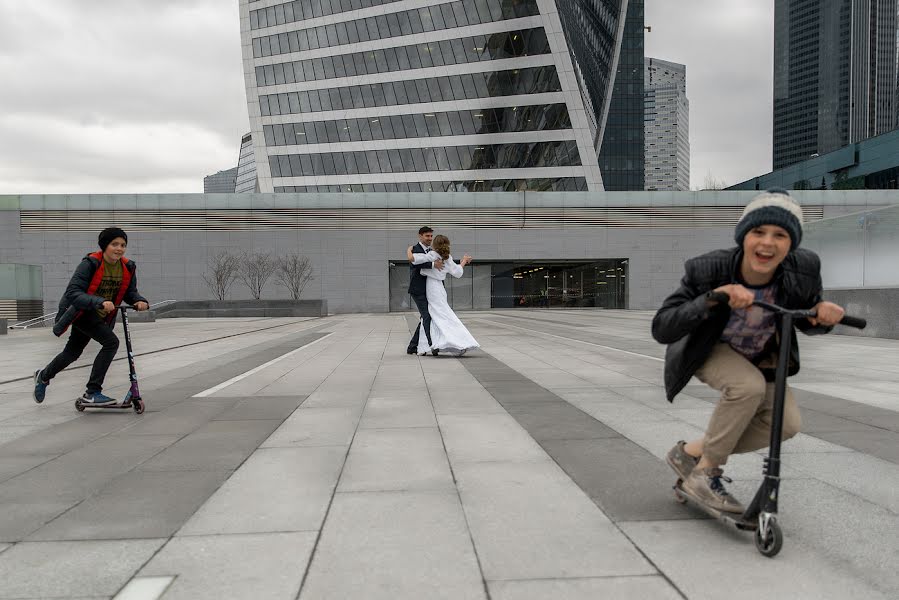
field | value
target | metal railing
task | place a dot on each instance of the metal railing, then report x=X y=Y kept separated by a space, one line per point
x=43 y=319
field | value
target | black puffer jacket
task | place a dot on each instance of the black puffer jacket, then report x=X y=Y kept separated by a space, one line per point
x=76 y=295
x=691 y=329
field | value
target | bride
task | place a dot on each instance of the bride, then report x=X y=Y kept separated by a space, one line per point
x=447 y=331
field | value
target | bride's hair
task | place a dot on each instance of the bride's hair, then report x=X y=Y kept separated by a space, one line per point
x=441 y=246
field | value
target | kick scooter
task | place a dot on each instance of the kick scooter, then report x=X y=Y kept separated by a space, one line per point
x=761 y=514
x=132 y=398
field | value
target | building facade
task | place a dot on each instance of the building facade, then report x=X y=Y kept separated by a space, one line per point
x=222 y=182
x=834 y=75
x=621 y=156
x=246 y=167
x=667 y=126
x=429 y=95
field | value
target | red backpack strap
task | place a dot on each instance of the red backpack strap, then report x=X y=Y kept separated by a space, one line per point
x=98 y=274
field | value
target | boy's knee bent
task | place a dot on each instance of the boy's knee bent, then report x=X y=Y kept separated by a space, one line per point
x=792 y=424
x=748 y=388
x=111 y=343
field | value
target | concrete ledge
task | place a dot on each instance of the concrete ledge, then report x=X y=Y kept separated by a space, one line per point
x=880 y=306
x=4 y=327
x=243 y=308
x=147 y=316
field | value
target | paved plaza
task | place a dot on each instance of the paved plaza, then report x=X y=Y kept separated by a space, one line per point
x=314 y=459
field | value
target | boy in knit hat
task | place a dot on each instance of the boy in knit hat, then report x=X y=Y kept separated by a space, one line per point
x=100 y=283
x=733 y=347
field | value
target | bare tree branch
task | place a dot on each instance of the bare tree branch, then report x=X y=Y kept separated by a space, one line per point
x=256 y=268
x=222 y=271
x=713 y=183
x=294 y=272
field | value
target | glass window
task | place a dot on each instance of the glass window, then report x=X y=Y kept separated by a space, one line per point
x=470 y=123
x=380 y=61
x=443 y=124
x=434 y=89
x=376 y=133
x=402 y=58
x=452 y=157
x=396 y=126
x=499 y=10
x=269 y=135
x=372 y=157
x=427 y=21
x=288 y=12
x=285 y=166
x=430 y=156
x=339 y=68
x=389 y=96
x=315 y=103
x=353 y=132
x=339 y=164
x=263 y=106
x=334 y=97
x=368 y=98
x=371 y=24
x=260 y=77
x=424 y=54
x=409 y=126
x=328 y=63
x=305 y=103
x=411 y=91
x=455 y=122
x=418 y=161
x=383 y=161
x=257 y=47
x=443 y=53
x=421 y=126
x=415 y=21
x=432 y=124
x=294 y=101
x=352 y=34
x=280 y=18
x=392 y=61
x=318 y=68
x=299 y=133
x=350 y=160
x=254 y=19
x=333 y=132
x=282 y=100
x=405 y=23
x=460 y=53
x=295 y=166
x=284 y=43
x=396 y=163
x=316 y=165
x=455 y=83
x=269 y=74
x=437 y=17
x=317 y=8
x=464 y=153
x=448 y=16
x=305 y=164
x=303 y=40
x=446 y=92
x=279 y=74
x=423 y=94
x=365 y=130
x=406 y=159
x=342 y=35
x=331 y=35
x=393 y=25
x=327 y=163
x=324 y=97
x=308 y=73
x=458 y=10
x=274 y=166
x=442 y=159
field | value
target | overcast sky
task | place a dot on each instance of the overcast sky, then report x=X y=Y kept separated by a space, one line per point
x=140 y=96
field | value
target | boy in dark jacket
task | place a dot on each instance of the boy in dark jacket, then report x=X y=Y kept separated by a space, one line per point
x=733 y=347
x=100 y=283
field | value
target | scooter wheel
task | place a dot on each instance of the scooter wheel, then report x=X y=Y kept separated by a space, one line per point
x=138 y=406
x=79 y=406
x=773 y=539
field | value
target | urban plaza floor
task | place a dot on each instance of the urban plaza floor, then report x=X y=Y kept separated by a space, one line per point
x=313 y=458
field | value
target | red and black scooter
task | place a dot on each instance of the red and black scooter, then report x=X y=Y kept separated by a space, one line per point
x=132 y=398
x=761 y=514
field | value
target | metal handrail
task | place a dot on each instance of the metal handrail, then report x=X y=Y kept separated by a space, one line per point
x=49 y=316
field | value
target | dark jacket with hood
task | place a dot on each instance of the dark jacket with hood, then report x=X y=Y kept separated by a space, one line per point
x=691 y=328
x=79 y=298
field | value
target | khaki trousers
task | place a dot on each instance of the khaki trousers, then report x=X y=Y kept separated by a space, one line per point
x=742 y=420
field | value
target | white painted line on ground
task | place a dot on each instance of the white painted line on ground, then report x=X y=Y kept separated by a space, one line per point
x=234 y=380
x=145 y=588
x=572 y=340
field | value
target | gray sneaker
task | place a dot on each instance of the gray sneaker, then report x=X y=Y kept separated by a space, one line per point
x=680 y=461
x=707 y=487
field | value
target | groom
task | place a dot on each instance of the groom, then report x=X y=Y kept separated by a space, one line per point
x=418 y=286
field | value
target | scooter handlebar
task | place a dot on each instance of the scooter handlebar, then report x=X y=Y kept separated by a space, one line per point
x=855 y=322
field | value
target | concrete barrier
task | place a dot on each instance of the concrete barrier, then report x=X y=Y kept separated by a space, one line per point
x=4 y=327
x=880 y=306
x=243 y=308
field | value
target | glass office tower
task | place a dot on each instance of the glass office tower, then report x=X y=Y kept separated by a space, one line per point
x=428 y=95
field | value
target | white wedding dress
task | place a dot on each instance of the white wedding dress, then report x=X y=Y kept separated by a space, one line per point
x=447 y=331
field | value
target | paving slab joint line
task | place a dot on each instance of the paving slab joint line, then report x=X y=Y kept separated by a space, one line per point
x=334 y=492
x=29 y=377
x=474 y=547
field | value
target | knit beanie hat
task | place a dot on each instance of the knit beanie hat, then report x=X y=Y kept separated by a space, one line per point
x=773 y=207
x=109 y=234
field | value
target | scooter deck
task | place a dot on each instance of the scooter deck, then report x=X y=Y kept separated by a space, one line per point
x=735 y=519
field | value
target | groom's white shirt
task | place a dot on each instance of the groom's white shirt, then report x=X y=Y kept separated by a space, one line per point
x=421 y=258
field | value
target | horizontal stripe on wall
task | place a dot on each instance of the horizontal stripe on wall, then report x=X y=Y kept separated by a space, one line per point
x=389 y=218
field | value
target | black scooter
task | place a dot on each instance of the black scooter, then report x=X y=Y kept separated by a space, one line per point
x=761 y=514
x=132 y=398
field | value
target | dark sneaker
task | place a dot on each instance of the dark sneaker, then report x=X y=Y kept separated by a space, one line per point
x=680 y=461
x=411 y=350
x=40 y=387
x=706 y=485
x=97 y=399
x=435 y=352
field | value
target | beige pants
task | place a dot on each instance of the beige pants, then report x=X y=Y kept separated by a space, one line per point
x=742 y=420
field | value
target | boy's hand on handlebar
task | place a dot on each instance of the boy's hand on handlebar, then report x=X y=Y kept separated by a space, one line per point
x=740 y=297
x=828 y=314
x=107 y=307
x=141 y=306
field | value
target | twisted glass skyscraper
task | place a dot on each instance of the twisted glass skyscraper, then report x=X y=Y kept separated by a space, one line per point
x=429 y=95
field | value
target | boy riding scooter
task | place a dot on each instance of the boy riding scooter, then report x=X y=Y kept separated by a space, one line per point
x=733 y=347
x=101 y=282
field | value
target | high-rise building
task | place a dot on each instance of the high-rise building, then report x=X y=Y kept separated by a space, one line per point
x=667 y=126
x=246 y=167
x=429 y=95
x=834 y=74
x=221 y=182
x=621 y=158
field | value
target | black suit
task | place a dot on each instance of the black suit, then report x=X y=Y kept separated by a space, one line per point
x=418 y=290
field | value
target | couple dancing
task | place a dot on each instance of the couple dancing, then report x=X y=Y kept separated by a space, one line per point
x=430 y=262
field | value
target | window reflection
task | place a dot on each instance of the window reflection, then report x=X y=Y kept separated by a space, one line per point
x=558 y=184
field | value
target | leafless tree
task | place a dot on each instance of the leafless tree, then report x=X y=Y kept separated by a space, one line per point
x=221 y=272
x=713 y=183
x=256 y=268
x=294 y=272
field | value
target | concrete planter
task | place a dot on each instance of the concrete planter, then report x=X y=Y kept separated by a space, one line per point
x=243 y=308
x=880 y=306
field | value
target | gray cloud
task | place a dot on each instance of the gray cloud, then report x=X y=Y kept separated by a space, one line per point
x=148 y=96
x=728 y=47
